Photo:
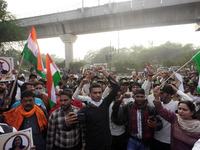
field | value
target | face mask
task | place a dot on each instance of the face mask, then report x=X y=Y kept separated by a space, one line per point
x=164 y=99
x=197 y=99
x=38 y=92
x=45 y=89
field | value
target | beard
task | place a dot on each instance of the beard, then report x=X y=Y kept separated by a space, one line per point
x=65 y=107
x=2 y=90
x=140 y=102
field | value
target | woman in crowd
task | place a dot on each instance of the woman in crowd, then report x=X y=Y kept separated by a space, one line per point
x=185 y=129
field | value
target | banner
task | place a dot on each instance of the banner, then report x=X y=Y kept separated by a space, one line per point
x=6 y=67
x=21 y=139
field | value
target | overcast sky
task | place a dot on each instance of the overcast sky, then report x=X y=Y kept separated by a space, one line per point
x=158 y=35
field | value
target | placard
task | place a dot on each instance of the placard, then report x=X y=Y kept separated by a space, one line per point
x=23 y=139
x=6 y=67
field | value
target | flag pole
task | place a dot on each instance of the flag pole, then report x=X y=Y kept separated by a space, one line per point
x=176 y=71
x=13 y=87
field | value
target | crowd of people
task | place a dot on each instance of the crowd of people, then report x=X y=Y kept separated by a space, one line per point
x=101 y=111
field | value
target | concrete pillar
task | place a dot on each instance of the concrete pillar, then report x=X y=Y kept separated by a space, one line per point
x=68 y=39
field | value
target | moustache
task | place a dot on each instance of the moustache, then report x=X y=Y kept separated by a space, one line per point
x=62 y=105
x=28 y=105
x=2 y=90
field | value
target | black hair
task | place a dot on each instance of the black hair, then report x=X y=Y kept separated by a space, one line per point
x=95 y=85
x=67 y=92
x=95 y=77
x=136 y=84
x=13 y=143
x=37 y=83
x=24 y=86
x=27 y=93
x=139 y=91
x=191 y=106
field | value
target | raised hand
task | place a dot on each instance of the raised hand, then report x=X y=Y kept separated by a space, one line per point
x=149 y=68
x=100 y=69
x=156 y=92
x=90 y=74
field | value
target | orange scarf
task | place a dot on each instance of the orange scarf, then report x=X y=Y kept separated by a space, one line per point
x=15 y=116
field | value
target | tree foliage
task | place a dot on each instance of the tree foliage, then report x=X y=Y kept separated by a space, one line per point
x=75 y=67
x=9 y=26
x=135 y=57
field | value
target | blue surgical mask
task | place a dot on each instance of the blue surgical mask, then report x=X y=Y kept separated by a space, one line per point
x=38 y=92
x=164 y=99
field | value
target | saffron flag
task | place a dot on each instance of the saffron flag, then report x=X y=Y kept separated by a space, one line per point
x=83 y=70
x=32 y=53
x=197 y=61
x=53 y=78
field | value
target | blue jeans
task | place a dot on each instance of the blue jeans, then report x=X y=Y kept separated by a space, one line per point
x=136 y=145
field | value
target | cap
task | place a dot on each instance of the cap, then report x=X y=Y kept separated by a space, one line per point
x=123 y=78
x=43 y=80
x=123 y=82
x=101 y=81
x=21 y=76
x=156 y=83
x=167 y=89
x=67 y=87
x=193 y=75
x=95 y=77
x=32 y=75
x=137 y=84
x=65 y=77
x=190 y=83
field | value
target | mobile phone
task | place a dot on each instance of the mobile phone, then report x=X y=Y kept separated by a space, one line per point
x=81 y=117
x=152 y=118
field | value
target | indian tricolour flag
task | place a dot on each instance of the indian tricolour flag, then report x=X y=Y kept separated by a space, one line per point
x=197 y=60
x=53 y=78
x=32 y=53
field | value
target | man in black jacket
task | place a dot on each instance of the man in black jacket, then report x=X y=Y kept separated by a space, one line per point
x=98 y=136
x=141 y=118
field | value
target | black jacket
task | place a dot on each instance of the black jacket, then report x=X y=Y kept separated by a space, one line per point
x=121 y=113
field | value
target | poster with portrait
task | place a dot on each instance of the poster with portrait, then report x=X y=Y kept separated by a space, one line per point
x=6 y=67
x=21 y=140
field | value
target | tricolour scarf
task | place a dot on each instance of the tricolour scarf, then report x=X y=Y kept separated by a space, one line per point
x=15 y=116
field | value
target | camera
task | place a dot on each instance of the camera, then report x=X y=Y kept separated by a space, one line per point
x=81 y=117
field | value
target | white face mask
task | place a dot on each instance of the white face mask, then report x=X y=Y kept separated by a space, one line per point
x=197 y=99
x=38 y=92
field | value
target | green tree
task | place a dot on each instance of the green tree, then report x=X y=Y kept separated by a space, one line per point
x=9 y=26
x=75 y=67
x=135 y=57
